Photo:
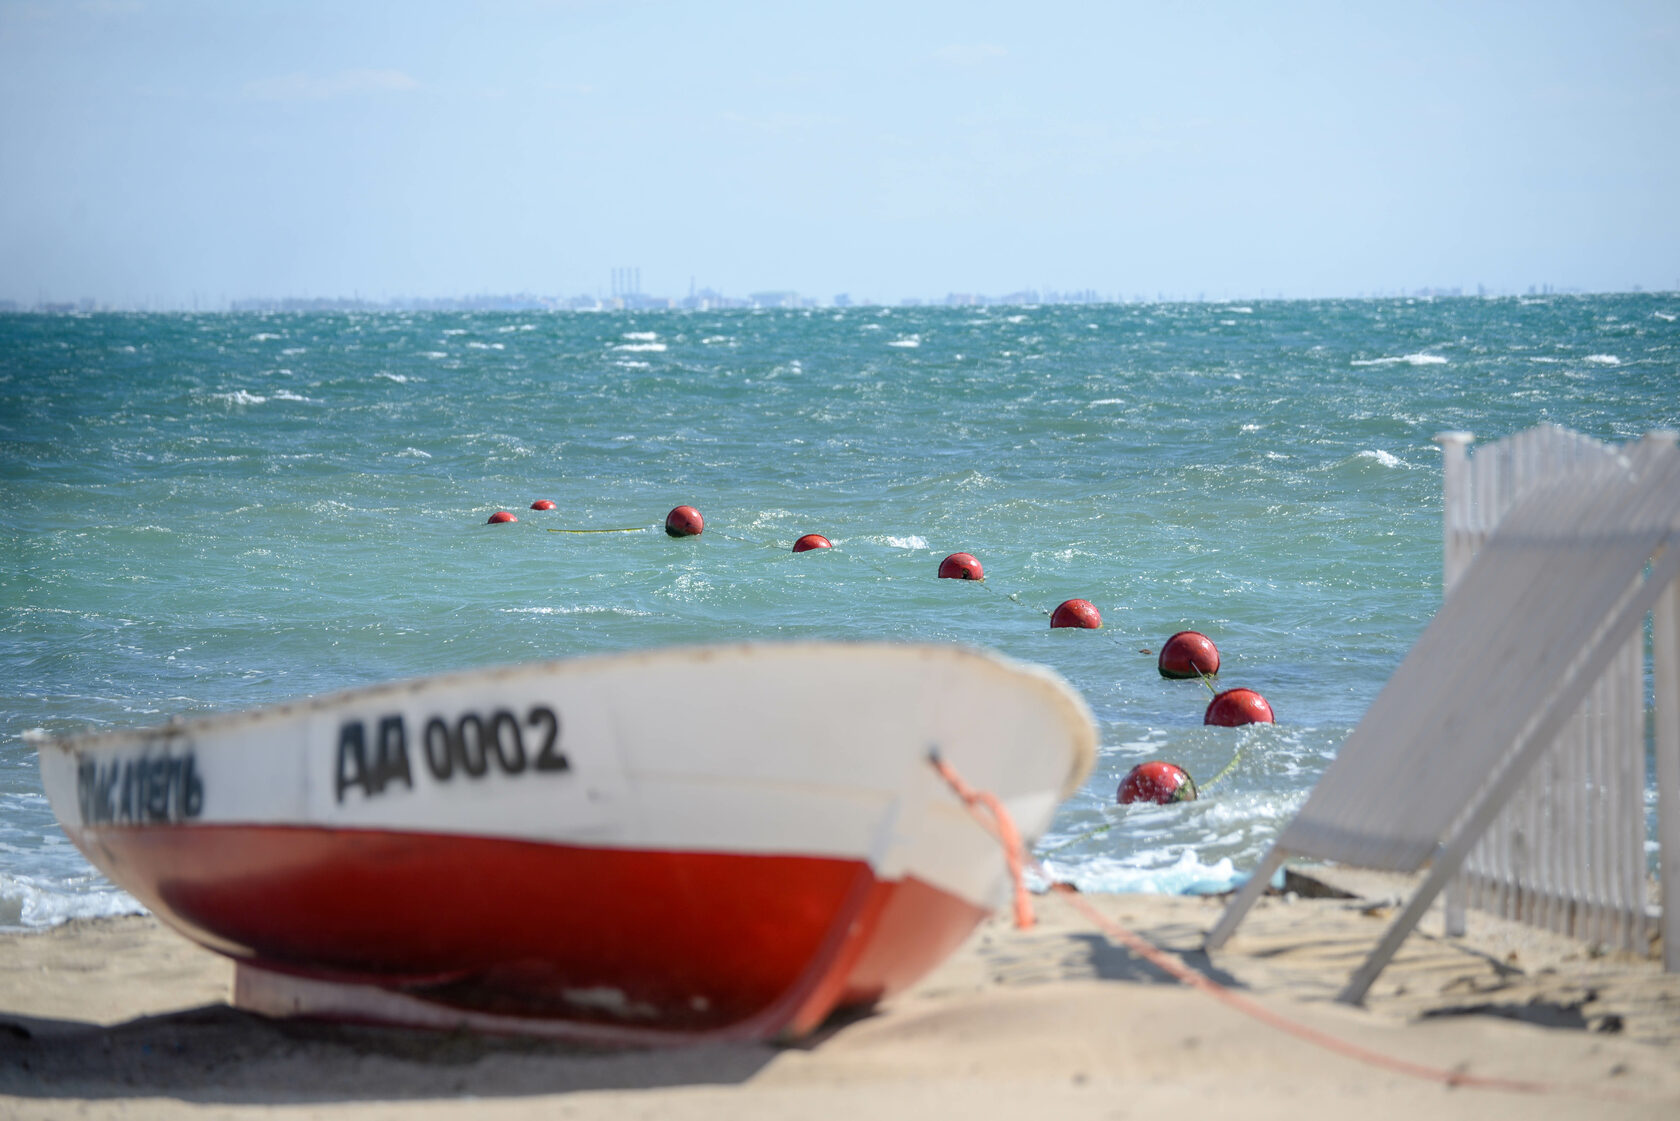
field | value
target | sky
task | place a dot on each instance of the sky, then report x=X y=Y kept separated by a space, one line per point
x=167 y=153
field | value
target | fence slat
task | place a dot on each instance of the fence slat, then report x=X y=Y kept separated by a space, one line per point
x=1567 y=852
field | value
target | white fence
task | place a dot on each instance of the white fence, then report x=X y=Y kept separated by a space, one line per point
x=1568 y=850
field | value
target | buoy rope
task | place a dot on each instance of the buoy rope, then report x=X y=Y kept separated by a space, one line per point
x=1000 y=825
x=1223 y=771
x=1085 y=836
x=1013 y=597
x=1175 y=967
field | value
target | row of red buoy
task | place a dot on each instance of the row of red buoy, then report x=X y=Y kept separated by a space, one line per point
x=1190 y=654
x=502 y=517
x=1187 y=654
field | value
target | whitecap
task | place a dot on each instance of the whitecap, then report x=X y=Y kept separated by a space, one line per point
x=288 y=395
x=1409 y=359
x=293 y=350
x=1603 y=360
x=400 y=379
x=640 y=336
x=239 y=397
x=1387 y=459
x=1109 y=401
x=713 y=340
x=910 y=342
x=263 y=337
x=487 y=346
x=1664 y=316
x=1187 y=875
x=911 y=542
x=650 y=348
x=632 y=364
x=413 y=453
x=455 y=331
x=25 y=901
x=434 y=354
x=581 y=609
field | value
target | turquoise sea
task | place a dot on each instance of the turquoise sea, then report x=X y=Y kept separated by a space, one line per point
x=213 y=511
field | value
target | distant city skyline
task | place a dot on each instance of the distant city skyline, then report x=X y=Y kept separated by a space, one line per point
x=707 y=299
x=173 y=153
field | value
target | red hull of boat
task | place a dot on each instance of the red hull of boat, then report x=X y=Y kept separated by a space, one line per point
x=688 y=942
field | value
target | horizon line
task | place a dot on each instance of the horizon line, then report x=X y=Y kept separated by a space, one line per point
x=782 y=299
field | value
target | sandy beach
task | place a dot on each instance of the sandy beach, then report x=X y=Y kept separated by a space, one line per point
x=124 y=1018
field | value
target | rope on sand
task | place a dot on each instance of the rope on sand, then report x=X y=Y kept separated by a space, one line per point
x=1003 y=830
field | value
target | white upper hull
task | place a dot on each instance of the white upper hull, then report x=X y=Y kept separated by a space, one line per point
x=811 y=749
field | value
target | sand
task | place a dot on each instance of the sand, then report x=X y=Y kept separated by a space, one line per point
x=123 y=1018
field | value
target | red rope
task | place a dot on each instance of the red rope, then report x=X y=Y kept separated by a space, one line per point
x=1000 y=826
x=1007 y=836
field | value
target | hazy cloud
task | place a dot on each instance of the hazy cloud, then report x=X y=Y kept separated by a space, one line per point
x=312 y=87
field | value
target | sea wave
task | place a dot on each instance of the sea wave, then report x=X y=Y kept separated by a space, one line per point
x=648 y=348
x=1409 y=359
x=580 y=609
x=26 y=901
x=1148 y=873
x=1387 y=459
x=239 y=397
x=1603 y=360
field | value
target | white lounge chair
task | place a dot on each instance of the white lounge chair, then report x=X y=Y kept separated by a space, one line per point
x=1554 y=595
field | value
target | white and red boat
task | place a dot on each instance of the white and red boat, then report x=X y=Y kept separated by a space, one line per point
x=673 y=844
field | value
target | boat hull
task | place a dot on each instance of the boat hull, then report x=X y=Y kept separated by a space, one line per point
x=687 y=942
x=785 y=851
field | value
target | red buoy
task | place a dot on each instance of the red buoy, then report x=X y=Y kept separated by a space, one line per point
x=1188 y=654
x=542 y=504
x=1234 y=707
x=684 y=521
x=961 y=566
x=1158 y=782
x=499 y=517
x=812 y=541
x=1076 y=613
